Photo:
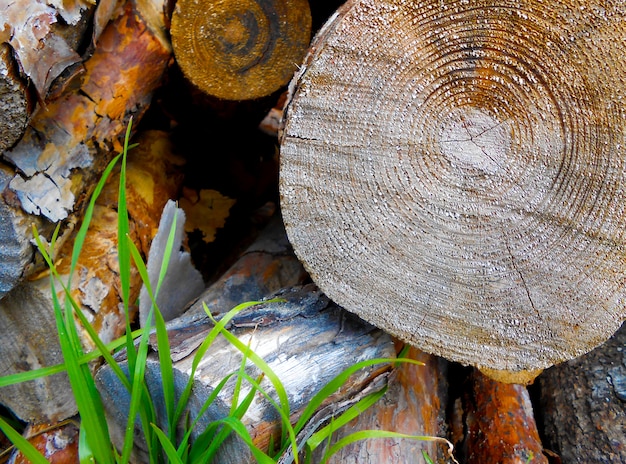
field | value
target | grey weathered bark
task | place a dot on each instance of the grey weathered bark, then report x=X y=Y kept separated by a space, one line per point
x=583 y=405
x=458 y=167
x=306 y=341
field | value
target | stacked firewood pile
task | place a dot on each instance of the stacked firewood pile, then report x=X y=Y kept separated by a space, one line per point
x=443 y=174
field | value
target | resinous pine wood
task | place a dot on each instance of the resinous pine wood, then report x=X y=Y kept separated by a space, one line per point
x=453 y=172
x=240 y=50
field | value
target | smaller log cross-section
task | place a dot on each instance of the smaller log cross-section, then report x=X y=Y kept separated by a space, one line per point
x=454 y=172
x=240 y=50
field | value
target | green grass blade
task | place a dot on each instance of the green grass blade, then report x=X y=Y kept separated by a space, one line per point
x=85 y=455
x=371 y=434
x=336 y=383
x=28 y=450
x=351 y=413
x=168 y=447
x=202 y=349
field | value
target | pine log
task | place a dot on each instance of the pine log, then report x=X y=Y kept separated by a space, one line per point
x=583 y=405
x=414 y=404
x=236 y=50
x=497 y=423
x=57 y=443
x=70 y=139
x=27 y=323
x=306 y=341
x=458 y=165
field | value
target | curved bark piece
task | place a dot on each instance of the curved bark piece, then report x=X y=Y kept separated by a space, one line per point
x=70 y=140
x=240 y=50
x=459 y=166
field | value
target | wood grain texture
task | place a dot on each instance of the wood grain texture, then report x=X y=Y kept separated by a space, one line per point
x=458 y=166
x=240 y=50
x=306 y=340
x=499 y=424
x=583 y=405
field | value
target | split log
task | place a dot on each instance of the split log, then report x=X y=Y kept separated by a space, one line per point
x=27 y=322
x=414 y=404
x=306 y=341
x=236 y=50
x=457 y=166
x=496 y=423
x=583 y=405
x=70 y=140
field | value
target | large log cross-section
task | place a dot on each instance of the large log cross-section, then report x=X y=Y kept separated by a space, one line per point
x=454 y=172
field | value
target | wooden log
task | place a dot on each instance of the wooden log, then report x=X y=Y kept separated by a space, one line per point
x=456 y=166
x=240 y=50
x=264 y=268
x=497 y=423
x=72 y=138
x=583 y=405
x=58 y=443
x=27 y=323
x=414 y=404
x=306 y=341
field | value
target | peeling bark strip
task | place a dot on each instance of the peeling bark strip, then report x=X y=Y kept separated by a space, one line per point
x=498 y=423
x=414 y=404
x=240 y=50
x=27 y=325
x=583 y=405
x=459 y=166
x=70 y=141
x=307 y=341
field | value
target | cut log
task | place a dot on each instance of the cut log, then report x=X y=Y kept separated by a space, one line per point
x=583 y=405
x=458 y=167
x=71 y=139
x=497 y=424
x=306 y=341
x=27 y=322
x=414 y=404
x=240 y=50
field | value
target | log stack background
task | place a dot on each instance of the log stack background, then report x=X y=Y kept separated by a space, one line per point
x=219 y=158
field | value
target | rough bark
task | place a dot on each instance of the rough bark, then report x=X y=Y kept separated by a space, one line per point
x=15 y=101
x=71 y=138
x=414 y=404
x=496 y=424
x=458 y=165
x=27 y=325
x=583 y=405
x=240 y=50
x=306 y=341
